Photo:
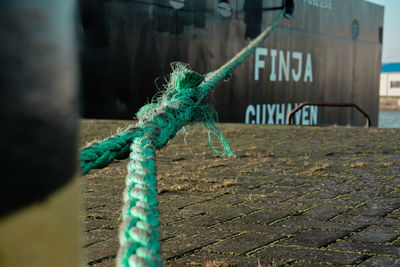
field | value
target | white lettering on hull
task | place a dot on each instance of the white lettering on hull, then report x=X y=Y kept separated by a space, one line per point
x=290 y=65
x=328 y=4
x=277 y=114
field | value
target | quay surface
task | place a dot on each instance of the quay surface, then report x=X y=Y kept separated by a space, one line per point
x=293 y=196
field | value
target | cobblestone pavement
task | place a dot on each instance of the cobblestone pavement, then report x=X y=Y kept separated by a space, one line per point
x=293 y=196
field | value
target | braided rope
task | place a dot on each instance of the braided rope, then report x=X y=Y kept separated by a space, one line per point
x=158 y=122
x=139 y=232
x=226 y=70
x=100 y=154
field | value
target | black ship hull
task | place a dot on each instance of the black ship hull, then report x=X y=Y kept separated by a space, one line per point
x=329 y=51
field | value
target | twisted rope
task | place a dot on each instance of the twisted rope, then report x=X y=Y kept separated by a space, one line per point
x=179 y=105
x=139 y=232
x=225 y=71
x=100 y=154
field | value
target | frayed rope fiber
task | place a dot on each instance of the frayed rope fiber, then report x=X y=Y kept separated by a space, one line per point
x=180 y=104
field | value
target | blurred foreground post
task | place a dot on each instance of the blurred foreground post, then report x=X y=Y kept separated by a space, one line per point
x=39 y=193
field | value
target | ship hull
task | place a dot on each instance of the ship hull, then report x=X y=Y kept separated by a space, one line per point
x=329 y=51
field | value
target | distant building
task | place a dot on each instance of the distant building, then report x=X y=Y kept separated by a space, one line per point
x=389 y=90
x=390 y=80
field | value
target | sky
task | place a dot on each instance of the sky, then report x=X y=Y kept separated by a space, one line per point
x=391 y=30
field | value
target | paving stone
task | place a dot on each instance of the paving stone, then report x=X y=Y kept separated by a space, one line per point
x=210 y=219
x=109 y=212
x=165 y=235
x=367 y=248
x=202 y=259
x=102 y=251
x=264 y=217
x=99 y=223
x=216 y=209
x=167 y=197
x=380 y=262
x=185 y=231
x=388 y=199
x=91 y=203
x=180 y=246
x=331 y=202
x=374 y=209
x=233 y=199
x=242 y=243
x=106 y=263
x=270 y=203
x=396 y=242
x=318 y=256
x=315 y=224
x=322 y=213
x=367 y=220
x=258 y=228
x=251 y=205
x=293 y=182
x=101 y=235
x=259 y=188
x=325 y=194
x=377 y=191
x=395 y=194
x=377 y=234
x=304 y=263
x=169 y=216
x=361 y=196
x=193 y=199
x=281 y=195
x=314 y=238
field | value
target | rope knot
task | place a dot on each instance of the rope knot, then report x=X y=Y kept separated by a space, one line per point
x=179 y=105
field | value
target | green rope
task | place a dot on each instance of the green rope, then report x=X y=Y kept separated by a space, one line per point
x=139 y=233
x=226 y=70
x=179 y=105
x=100 y=154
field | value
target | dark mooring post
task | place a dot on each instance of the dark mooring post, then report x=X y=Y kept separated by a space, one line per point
x=38 y=192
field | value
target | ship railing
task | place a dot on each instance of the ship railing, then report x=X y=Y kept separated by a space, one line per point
x=329 y=104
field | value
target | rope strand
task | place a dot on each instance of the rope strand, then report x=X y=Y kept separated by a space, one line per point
x=139 y=232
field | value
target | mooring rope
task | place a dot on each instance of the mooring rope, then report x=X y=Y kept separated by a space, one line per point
x=179 y=105
x=139 y=234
